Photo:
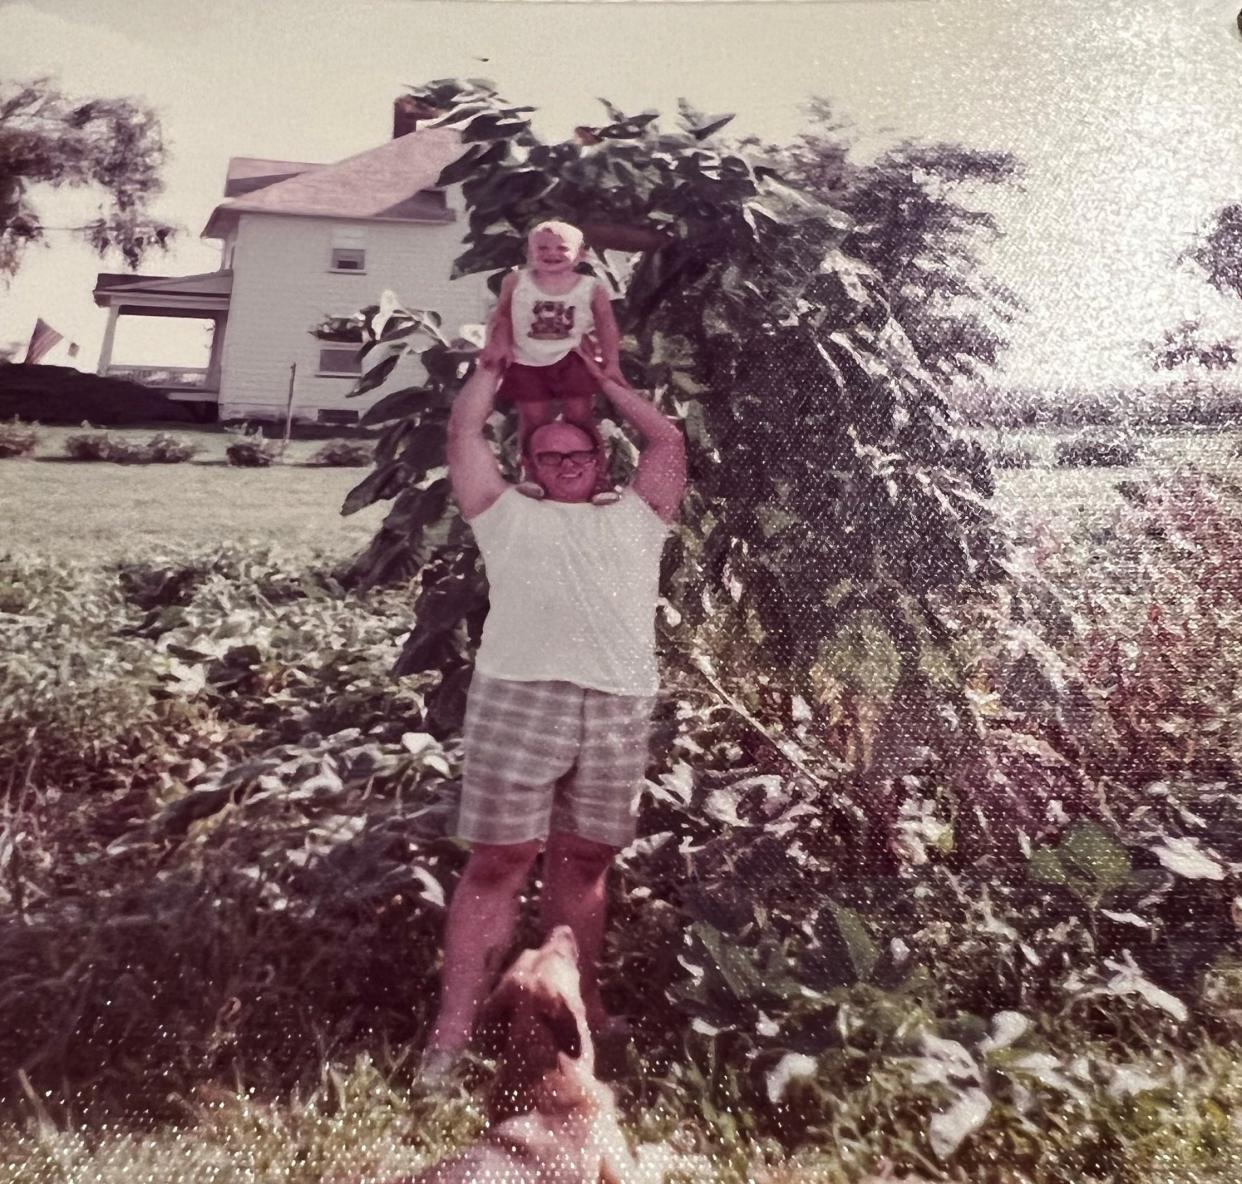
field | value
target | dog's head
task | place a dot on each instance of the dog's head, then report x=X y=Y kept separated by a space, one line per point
x=537 y=1012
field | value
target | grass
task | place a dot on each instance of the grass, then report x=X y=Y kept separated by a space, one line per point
x=99 y=512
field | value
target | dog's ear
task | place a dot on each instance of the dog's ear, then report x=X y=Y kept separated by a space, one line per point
x=563 y=1025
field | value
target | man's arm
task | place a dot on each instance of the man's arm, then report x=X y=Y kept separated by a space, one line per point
x=473 y=471
x=660 y=479
x=498 y=348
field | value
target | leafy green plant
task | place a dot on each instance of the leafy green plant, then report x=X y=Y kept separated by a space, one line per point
x=17 y=438
x=345 y=454
x=1097 y=451
x=162 y=448
x=1011 y=456
x=253 y=450
x=167 y=449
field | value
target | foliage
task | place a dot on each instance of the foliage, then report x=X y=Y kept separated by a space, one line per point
x=1218 y=251
x=252 y=449
x=1186 y=403
x=17 y=438
x=915 y=225
x=1011 y=456
x=344 y=453
x=1184 y=346
x=163 y=448
x=224 y=862
x=1089 y=451
x=833 y=508
x=50 y=139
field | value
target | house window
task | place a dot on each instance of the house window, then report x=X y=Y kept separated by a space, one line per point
x=349 y=259
x=340 y=362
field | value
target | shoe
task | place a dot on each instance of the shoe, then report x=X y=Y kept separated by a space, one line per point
x=531 y=489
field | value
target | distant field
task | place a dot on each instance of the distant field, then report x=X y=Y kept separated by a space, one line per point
x=96 y=510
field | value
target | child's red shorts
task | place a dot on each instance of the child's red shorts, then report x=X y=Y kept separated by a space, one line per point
x=567 y=379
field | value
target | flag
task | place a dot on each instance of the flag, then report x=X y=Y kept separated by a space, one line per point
x=41 y=340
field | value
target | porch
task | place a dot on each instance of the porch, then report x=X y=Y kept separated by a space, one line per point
x=202 y=297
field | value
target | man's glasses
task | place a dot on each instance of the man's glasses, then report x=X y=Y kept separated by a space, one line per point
x=548 y=460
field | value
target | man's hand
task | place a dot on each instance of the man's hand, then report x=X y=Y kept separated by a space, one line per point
x=601 y=369
x=660 y=479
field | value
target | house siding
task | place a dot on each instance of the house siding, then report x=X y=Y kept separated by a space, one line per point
x=283 y=284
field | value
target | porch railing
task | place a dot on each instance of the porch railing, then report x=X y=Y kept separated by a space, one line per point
x=168 y=378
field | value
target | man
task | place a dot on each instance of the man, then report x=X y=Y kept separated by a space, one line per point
x=559 y=706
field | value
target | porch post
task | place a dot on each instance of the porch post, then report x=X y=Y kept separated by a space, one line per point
x=219 y=325
x=105 y=353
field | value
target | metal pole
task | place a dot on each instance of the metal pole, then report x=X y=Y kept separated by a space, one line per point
x=293 y=370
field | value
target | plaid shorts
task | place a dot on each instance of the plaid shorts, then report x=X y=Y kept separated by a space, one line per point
x=551 y=756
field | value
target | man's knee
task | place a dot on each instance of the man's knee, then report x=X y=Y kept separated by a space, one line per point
x=495 y=866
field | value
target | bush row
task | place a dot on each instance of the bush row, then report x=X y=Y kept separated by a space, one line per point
x=250 y=449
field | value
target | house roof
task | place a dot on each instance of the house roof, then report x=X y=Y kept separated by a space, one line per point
x=205 y=284
x=248 y=173
x=381 y=183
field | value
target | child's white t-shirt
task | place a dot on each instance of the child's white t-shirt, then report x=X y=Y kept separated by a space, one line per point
x=545 y=327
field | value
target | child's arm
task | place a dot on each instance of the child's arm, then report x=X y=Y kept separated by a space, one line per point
x=607 y=335
x=498 y=348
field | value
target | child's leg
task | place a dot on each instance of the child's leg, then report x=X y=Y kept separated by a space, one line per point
x=577 y=411
x=531 y=415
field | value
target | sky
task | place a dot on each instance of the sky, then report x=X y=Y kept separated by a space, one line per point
x=1124 y=112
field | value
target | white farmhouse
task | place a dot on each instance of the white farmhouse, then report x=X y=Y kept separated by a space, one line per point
x=301 y=242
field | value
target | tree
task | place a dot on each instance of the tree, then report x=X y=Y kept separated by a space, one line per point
x=48 y=138
x=1185 y=345
x=837 y=524
x=914 y=227
x=830 y=491
x=1218 y=250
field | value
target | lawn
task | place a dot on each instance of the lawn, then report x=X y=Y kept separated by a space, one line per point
x=100 y=511
x=92 y=510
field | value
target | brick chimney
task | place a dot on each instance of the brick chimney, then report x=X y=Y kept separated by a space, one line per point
x=408 y=111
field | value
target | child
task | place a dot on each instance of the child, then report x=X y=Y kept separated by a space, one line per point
x=545 y=309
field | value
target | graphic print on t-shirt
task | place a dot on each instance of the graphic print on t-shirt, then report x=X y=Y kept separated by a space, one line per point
x=551 y=320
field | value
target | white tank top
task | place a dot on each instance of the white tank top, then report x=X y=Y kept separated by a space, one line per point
x=546 y=327
x=573 y=591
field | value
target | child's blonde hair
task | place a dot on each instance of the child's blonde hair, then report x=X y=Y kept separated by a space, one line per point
x=572 y=236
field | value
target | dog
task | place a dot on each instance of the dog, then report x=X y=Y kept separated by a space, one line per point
x=551 y=1120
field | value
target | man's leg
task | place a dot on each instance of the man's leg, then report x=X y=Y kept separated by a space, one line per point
x=575 y=879
x=481 y=919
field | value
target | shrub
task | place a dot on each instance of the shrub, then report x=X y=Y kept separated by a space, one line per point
x=93 y=446
x=253 y=450
x=1097 y=452
x=167 y=449
x=162 y=448
x=1012 y=456
x=17 y=438
x=345 y=454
